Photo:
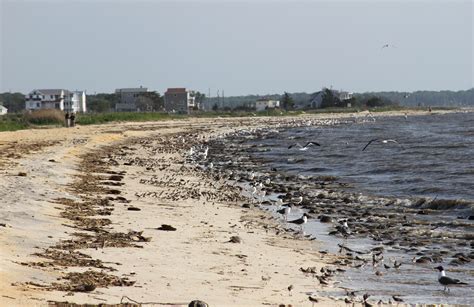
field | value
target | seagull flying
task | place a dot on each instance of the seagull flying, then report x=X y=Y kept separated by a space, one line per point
x=447 y=281
x=305 y=147
x=388 y=46
x=381 y=141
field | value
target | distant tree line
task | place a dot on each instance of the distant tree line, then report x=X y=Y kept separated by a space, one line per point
x=14 y=102
x=153 y=101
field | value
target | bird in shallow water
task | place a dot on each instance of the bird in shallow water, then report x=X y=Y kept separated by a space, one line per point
x=305 y=147
x=422 y=259
x=447 y=281
x=397 y=299
x=343 y=228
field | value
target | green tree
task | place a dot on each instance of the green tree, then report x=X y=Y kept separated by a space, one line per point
x=329 y=100
x=150 y=101
x=14 y=102
x=101 y=105
x=199 y=97
x=287 y=102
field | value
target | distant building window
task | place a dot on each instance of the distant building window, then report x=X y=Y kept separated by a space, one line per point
x=38 y=104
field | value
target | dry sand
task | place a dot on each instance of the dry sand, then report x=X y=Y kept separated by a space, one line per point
x=194 y=262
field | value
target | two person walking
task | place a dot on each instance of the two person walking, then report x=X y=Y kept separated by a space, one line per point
x=70 y=119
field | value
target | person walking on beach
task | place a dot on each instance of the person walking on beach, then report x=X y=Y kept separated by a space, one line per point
x=67 y=118
x=73 y=119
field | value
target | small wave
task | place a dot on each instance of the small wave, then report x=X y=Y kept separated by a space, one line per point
x=425 y=190
x=443 y=204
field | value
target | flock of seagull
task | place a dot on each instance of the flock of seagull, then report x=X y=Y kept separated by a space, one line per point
x=342 y=228
x=376 y=140
x=199 y=153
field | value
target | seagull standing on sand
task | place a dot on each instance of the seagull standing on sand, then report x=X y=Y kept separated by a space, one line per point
x=343 y=228
x=301 y=221
x=305 y=147
x=447 y=281
x=381 y=141
x=313 y=300
x=285 y=211
x=290 y=289
x=298 y=200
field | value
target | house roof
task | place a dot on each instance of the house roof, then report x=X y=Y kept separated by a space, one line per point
x=131 y=90
x=51 y=91
x=176 y=90
x=2 y=107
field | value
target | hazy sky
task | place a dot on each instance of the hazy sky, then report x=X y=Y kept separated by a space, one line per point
x=241 y=47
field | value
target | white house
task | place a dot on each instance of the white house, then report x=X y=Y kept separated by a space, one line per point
x=3 y=110
x=265 y=104
x=59 y=99
x=78 y=102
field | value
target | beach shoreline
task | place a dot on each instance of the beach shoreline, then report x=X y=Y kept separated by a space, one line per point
x=194 y=262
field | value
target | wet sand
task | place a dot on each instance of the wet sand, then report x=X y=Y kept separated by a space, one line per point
x=81 y=208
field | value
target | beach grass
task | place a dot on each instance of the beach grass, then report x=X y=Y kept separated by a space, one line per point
x=102 y=118
x=12 y=122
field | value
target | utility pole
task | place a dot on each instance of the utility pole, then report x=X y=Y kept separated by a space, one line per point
x=223 y=97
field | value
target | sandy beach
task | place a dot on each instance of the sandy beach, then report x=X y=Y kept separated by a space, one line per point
x=82 y=210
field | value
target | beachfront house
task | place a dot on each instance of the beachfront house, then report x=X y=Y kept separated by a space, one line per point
x=59 y=99
x=180 y=100
x=77 y=102
x=317 y=98
x=266 y=104
x=129 y=99
x=3 y=110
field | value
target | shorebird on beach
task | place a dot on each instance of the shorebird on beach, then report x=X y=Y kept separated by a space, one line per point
x=290 y=289
x=285 y=211
x=301 y=221
x=343 y=228
x=381 y=141
x=447 y=281
x=298 y=200
x=313 y=300
x=305 y=147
